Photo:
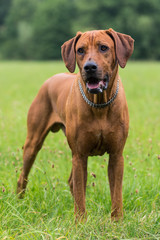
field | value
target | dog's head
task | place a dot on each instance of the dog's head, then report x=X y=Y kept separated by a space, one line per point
x=97 y=53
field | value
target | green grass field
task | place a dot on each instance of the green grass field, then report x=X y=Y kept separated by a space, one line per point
x=47 y=210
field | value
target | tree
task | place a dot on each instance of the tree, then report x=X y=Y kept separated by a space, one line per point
x=4 y=8
x=138 y=18
x=36 y=29
x=52 y=26
x=18 y=29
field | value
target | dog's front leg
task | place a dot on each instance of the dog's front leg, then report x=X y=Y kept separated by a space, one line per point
x=115 y=174
x=79 y=178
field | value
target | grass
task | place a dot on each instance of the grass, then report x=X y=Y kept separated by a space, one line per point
x=46 y=212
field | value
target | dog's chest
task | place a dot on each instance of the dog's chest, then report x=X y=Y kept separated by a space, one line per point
x=99 y=146
x=96 y=138
x=101 y=142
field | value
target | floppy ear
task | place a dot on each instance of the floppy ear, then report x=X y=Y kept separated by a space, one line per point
x=124 y=45
x=68 y=52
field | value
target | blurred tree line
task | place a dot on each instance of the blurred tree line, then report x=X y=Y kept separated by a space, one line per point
x=36 y=29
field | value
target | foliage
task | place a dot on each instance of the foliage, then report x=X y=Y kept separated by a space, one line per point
x=52 y=27
x=35 y=29
x=17 y=33
x=138 y=18
x=4 y=8
x=46 y=212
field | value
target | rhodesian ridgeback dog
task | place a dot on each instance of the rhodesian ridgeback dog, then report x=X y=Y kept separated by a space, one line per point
x=90 y=107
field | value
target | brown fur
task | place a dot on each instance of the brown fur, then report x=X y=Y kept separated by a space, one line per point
x=89 y=131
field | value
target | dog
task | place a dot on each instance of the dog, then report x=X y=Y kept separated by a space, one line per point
x=91 y=109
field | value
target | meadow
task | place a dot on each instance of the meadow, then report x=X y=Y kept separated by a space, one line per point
x=47 y=210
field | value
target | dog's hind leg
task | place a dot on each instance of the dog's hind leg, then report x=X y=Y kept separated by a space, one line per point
x=70 y=181
x=31 y=149
x=39 y=123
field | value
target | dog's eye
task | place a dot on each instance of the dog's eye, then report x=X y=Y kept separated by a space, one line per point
x=80 y=51
x=103 y=48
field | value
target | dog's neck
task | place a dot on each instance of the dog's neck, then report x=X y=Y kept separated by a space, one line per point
x=107 y=94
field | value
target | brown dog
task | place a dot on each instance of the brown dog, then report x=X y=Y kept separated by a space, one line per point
x=90 y=107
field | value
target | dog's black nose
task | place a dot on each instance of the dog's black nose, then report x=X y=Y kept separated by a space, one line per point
x=90 y=67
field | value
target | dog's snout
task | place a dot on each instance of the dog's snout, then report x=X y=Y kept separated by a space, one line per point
x=90 y=67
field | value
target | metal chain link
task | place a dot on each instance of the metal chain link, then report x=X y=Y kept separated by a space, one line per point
x=95 y=105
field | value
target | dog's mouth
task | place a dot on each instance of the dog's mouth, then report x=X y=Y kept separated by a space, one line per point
x=96 y=86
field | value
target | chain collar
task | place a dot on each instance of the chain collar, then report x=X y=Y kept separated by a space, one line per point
x=95 y=105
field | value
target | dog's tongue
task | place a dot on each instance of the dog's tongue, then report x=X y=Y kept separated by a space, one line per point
x=92 y=85
x=95 y=85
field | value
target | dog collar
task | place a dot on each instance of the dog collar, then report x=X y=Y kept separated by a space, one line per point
x=101 y=105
